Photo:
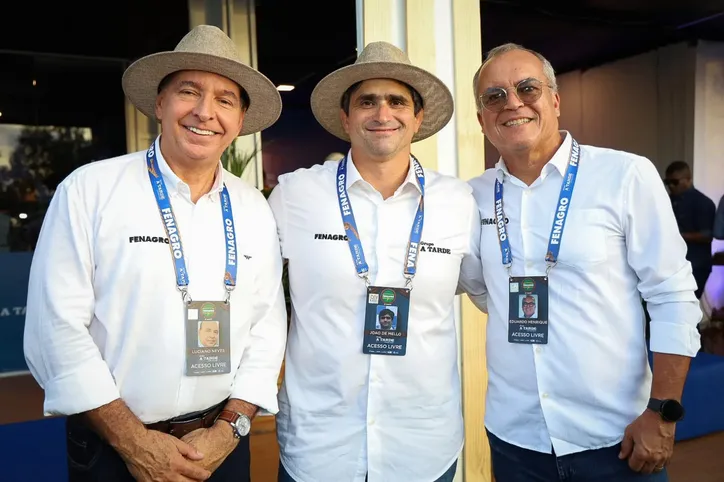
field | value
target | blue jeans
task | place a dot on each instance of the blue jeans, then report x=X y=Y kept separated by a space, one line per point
x=515 y=464
x=446 y=477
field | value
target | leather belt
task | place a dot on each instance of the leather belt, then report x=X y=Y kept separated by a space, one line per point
x=180 y=426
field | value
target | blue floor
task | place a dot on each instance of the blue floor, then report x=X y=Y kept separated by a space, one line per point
x=33 y=451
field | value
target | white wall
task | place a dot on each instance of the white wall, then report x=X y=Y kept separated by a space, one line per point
x=642 y=104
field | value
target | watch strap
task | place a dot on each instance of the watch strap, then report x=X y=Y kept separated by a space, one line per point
x=654 y=404
x=229 y=416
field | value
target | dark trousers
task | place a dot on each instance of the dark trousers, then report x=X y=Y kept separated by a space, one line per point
x=448 y=476
x=515 y=464
x=90 y=459
x=701 y=274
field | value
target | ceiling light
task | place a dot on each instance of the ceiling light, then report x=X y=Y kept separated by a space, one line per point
x=23 y=216
x=34 y=83
x=285 y=88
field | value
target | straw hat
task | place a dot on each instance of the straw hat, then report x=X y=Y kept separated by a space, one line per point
x=209 y=49
x=382 y=60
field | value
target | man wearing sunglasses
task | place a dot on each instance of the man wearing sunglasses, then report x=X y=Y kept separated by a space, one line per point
x=590 y=233
x=694 y=213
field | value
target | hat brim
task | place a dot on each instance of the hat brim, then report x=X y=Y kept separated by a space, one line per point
x=141 y=79
x=437 y=99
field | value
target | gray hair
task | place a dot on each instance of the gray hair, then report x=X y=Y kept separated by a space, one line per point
x=509 y=47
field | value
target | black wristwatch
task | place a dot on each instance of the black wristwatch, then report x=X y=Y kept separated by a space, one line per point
x=669 y=410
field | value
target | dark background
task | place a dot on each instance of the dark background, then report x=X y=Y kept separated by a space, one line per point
x=77 y=51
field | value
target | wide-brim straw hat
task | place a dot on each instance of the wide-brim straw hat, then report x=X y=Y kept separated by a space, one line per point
x=209 y=49
x=382 y=60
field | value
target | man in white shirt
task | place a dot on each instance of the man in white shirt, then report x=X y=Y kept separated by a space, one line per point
x=135 y=253
x=590 y=231
x=360 y=402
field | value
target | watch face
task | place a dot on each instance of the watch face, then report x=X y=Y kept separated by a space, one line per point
x=243 y=425
x=672 y=410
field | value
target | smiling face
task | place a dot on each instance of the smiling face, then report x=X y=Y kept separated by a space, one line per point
x=518 y=127
x=528 y=306
x=201 y=114
x=381 y=120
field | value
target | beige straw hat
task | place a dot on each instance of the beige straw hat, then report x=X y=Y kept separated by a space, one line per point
x=382 y=60
x=209 y=49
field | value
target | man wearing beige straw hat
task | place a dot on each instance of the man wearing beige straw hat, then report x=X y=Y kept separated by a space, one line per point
x=361 y=401
x=136 y=254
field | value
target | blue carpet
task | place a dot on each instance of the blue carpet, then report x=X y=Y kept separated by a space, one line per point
x=33 y=451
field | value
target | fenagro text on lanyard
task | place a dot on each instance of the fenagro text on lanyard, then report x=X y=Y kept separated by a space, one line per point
x=559 y=220
x=172 y=231
x=350 y=225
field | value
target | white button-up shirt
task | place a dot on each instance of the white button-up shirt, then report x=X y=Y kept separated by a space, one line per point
x=343 y=413
x=105 y=319
x=620 y=243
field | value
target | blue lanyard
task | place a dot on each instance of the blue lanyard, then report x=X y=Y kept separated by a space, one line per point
x=350 y=225
x=564 y=200
x=174 y=237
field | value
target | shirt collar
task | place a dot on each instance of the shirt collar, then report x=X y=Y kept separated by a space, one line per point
x=173 y=182
x=353 y=175
x=559 y=160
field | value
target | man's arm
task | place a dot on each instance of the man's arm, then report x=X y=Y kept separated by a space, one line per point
x=471 y=279
x=667 y=284
x=256 y=378
x=59 y=349
x=61 y=353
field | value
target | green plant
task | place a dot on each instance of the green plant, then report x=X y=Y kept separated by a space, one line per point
x=236 y=162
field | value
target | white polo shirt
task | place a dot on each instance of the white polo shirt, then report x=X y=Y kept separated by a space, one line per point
x=105 y=319
x=343 y=413
x=620 y=242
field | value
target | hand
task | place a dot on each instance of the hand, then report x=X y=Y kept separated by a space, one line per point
x=216 y=443
x=163 y=458
x=648 y=443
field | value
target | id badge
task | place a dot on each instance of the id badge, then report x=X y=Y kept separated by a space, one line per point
x=528 y=309
x=386 y=321
x=208 y=350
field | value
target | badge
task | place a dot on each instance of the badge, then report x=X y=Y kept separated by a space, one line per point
x=208 y=350
x=386 y=321
x=528 y=320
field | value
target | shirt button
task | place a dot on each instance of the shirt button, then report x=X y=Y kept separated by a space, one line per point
x=529 y=264
x=526 y=192
x=545 y=395
x=537 y=349
x=371 y=422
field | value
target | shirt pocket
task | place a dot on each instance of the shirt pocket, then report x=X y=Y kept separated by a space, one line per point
x=583 y=243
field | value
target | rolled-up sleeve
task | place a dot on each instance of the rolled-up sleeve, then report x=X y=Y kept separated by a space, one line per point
x=59 y=349
x=657 y=253
x=256 y=379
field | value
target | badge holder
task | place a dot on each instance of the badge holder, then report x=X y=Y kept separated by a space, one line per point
x=208 y=344
x=528 y=308
x=386 y=317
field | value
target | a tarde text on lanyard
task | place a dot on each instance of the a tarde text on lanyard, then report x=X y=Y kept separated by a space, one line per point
x=559 y=220
x=172 y=230
x=350 y=225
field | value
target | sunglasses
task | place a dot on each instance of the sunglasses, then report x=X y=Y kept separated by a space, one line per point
x=528 y=303
x=528 y=91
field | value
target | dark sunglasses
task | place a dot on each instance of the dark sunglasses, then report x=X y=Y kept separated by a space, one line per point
x=671 y=182
x=529 y=303
x=496 y=98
